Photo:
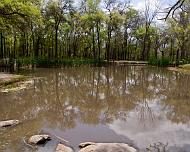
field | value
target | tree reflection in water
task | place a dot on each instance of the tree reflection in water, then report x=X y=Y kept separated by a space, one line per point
x=98 y=95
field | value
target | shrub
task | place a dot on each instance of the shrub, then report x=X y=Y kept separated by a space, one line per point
x=45 y=62
x=159 y=61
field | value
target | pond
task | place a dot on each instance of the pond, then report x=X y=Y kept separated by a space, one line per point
x=138 y=105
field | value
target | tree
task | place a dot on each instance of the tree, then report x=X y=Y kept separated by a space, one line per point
x=55 y=14
x=16 y=16
x=111 y=29
x=149 y=18
x=172 y=9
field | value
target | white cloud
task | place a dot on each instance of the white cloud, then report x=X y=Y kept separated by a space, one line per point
x=154 y=5
x=161 y=130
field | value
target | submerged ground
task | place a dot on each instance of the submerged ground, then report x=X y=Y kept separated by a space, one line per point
x=139 y=105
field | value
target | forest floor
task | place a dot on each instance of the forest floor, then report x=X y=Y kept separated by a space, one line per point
x=12 y=83
x=182 y=68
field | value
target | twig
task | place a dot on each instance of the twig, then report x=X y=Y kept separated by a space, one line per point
x=60 y=138
x=55 y=136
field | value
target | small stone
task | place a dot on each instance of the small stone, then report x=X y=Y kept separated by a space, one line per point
x=63 y=148
x=39 y=139
x=8 y=123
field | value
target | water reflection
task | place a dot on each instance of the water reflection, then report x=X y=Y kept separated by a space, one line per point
x=139 y=105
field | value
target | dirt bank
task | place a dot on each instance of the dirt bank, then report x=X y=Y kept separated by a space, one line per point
x=182 y=68
x=11 y=82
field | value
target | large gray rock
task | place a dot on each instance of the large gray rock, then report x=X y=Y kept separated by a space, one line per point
x=39 y=139
x=63 y=148
x=8 y=123
x=106 y=147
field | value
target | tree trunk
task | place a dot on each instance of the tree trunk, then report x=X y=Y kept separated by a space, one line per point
x=56 y=43
x=183 y=48
x=14 y=46
x=93 y=43
x=108 y=43
x=1 y=39
x=36 y=54
x=99 y=43
x=171 y=50
x=156 y=48
x=126 y=46
x=144 y=51
x=177 y=57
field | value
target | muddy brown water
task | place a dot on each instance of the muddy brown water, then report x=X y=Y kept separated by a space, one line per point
x=138 y=105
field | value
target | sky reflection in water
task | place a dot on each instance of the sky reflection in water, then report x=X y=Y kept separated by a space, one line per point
x=136 y=105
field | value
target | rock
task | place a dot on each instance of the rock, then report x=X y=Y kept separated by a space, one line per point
x=83 y=145
x=8 y=123
x=39 y=139
x=63 y=148
x=90 y=148
x=107 y=147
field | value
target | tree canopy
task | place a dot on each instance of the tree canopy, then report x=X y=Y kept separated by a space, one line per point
x=93 y=29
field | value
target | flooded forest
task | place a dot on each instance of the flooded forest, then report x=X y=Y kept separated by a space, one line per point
x=94 y=76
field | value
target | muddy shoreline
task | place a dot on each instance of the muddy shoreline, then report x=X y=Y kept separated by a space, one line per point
x=13 y=82
x=185 y=69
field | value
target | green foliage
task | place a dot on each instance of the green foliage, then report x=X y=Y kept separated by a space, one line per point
x=45 y=62
x=163 y=62
x=52 y=30
x=18 y=12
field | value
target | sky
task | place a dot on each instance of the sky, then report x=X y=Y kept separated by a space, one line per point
x=161 y=4
x=139 y=4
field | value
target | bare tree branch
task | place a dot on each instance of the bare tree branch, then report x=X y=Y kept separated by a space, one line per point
x=171 y=10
